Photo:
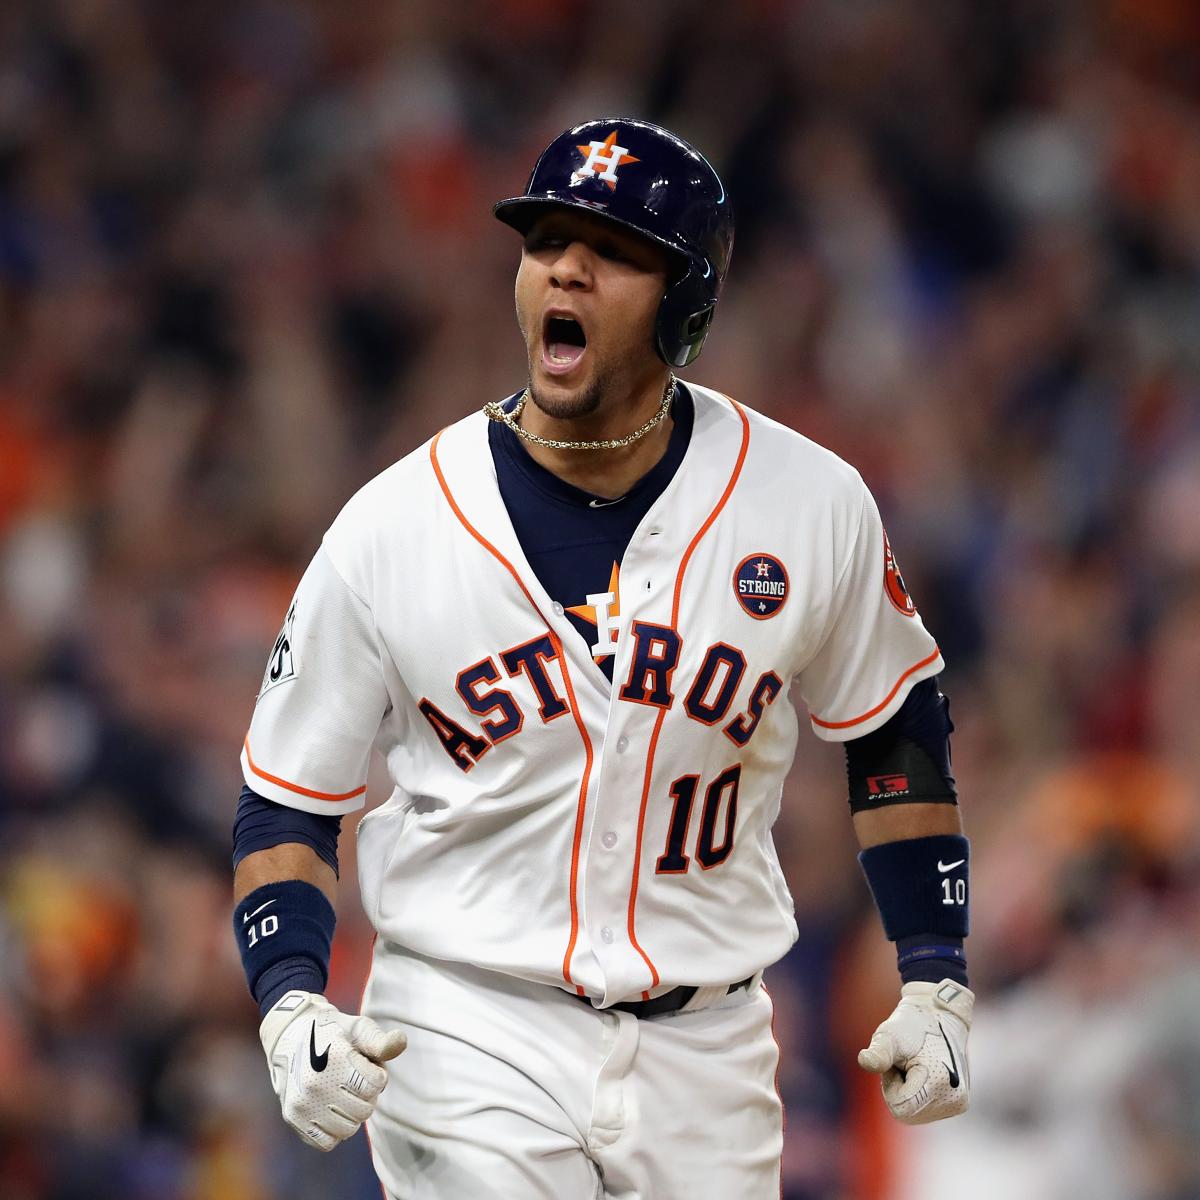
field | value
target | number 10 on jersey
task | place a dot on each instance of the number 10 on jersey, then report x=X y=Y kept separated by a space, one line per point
x=721 y=796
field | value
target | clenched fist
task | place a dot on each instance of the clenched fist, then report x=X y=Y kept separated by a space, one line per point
x=921 y=1052
x=325 y=1066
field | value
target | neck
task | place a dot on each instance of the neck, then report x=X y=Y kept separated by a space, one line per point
x=604 y=472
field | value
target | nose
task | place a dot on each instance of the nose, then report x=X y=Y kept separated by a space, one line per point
x=572 y=269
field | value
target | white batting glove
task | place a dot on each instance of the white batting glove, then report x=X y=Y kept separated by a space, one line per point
x=921 y=1052
x=325 y=1066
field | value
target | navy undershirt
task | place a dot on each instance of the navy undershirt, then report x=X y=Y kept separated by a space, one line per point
x=572 y=548
x=572 y=545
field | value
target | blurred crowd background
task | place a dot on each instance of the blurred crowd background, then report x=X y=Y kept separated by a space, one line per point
x=247 y=260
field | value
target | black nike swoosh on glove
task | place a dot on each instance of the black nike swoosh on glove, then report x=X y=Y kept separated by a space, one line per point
x=318 y=1062
x=952 y=1066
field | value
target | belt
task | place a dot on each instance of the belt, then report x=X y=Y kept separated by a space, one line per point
x=668 y=1002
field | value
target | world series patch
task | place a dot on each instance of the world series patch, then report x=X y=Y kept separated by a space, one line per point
x=760 y=584
x=281 y=666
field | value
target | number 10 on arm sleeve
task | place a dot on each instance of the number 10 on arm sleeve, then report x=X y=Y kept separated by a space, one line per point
x=322 y=700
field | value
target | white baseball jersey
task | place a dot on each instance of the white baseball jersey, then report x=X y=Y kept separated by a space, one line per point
x=610 y=839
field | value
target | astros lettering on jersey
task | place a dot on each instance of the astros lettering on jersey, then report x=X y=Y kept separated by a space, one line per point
x=535 y=808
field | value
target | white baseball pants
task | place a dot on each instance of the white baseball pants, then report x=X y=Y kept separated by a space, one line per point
x=517 y=1091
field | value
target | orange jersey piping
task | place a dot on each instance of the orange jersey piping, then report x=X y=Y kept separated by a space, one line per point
x=581 y=807
x=662 y=712
x=333 y=798
x=882 y=704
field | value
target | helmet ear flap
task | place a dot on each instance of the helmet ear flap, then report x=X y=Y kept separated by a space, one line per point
x=696 y=326
x=645 y=179
x=683 y=321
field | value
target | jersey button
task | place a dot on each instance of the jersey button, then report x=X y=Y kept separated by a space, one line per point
x=558 y=609
x=609 y=840
x=606 y=935
x=622 y=744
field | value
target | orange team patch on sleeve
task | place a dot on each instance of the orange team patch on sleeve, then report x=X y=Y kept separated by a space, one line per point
x=893 y=582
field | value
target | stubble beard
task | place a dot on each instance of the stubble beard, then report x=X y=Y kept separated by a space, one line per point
x=573 y=407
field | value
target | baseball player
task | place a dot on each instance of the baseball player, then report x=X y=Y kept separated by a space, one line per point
x=570 y=623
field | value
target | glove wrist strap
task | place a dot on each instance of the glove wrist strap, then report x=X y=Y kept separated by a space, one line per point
x=930 y=958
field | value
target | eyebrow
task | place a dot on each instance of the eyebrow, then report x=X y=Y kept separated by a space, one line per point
x=654 y=257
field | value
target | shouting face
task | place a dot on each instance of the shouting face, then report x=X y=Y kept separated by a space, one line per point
x=587 y=295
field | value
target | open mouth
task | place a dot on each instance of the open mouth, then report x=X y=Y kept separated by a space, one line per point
x=564 y=341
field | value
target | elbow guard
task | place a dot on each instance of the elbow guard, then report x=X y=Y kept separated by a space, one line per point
x=907 y=759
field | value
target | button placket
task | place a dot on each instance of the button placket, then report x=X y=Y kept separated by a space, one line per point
x=620 y=771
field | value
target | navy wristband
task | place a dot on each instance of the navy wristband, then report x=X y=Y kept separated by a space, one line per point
x=920 y=885
x=284 y=931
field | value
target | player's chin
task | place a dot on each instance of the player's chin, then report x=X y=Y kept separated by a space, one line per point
x=564 y=402
x=564 y=394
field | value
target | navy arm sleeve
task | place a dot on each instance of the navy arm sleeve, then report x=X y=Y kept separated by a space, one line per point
x=261 y=823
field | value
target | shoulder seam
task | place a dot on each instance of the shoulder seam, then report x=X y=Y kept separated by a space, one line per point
x=862 y=508
x=337 y=570
x=837 y=585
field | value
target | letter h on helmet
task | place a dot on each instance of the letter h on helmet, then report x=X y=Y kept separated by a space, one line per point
x=644 y=178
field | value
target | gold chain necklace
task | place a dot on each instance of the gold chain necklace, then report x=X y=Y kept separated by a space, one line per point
x=496 y=412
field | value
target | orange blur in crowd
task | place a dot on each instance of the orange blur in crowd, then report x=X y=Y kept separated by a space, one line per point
x=247 y=260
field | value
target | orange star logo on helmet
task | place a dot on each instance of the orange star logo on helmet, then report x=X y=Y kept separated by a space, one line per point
x=601 y=160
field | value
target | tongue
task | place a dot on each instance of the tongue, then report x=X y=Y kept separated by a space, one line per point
x=564 y=352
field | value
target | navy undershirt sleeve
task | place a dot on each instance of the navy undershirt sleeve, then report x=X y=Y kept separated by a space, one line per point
x=260 y=824
x=924 y=718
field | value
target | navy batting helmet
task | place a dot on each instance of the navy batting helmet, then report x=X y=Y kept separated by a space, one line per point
x=645 y=178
